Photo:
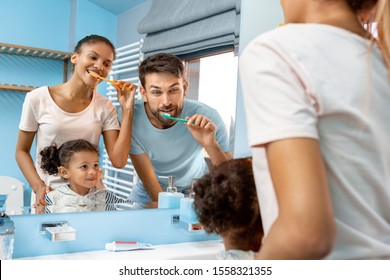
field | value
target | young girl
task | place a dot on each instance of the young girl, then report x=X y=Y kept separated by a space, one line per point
x=77 y=162
x=72 y=110
x=317 y=98
x=226 y=204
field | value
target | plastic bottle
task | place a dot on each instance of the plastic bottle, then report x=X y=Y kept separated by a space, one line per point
x=170 y=198
x=187 y=211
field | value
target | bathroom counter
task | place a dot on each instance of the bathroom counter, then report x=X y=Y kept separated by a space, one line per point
x=204 y=250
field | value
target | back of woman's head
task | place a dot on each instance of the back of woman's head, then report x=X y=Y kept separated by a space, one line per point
x=226 y=200
x=52 y=157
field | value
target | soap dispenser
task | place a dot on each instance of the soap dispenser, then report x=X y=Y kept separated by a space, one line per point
x=170 y=198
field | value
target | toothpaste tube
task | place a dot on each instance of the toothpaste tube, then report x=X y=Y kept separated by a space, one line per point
x=117 y=246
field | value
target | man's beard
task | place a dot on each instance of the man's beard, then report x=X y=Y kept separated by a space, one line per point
x=173 y=111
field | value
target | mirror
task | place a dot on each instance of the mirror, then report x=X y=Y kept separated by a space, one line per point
x=23 y=70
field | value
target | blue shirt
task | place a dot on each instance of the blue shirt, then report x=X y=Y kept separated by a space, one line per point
x=173 y=151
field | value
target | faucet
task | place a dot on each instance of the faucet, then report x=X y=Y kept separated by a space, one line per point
x=7 y=232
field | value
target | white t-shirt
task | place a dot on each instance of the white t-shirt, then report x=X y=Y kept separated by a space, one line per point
x=64 y=200
x=322 y=82
x=54 y=126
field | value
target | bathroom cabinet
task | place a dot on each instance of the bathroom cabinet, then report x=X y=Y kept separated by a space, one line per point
x=38 y=53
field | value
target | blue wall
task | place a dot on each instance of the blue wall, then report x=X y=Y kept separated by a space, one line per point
x=91 y=19
x=56 y=25
x=38 y=23
x=126 y=34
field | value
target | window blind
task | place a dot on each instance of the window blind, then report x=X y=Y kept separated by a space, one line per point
x=187 y=28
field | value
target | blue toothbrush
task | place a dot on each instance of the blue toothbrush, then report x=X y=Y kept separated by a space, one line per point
x=168 y=116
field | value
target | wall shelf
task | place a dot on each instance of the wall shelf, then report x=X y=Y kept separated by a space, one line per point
x=34 y=52
x=37 y=53
x=16 y=87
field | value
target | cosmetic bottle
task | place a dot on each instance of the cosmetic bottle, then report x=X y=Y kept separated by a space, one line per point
x=187 y=211
x=170 y=198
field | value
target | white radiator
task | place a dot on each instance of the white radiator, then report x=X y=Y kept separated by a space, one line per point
x=125 y=67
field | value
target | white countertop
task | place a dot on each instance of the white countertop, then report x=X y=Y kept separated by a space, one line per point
x=205 y=250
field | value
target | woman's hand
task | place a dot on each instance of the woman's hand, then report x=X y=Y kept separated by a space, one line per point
x=125 y=94
x=40 y=201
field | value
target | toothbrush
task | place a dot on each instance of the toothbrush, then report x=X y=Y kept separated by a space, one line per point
x=168 y=116
x=113 y=82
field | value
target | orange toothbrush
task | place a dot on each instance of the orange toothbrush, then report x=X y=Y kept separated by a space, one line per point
x=113 y=82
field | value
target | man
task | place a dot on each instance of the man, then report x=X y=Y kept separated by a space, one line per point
x=164 y=147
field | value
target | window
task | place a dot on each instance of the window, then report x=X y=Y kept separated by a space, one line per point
x=213 y=81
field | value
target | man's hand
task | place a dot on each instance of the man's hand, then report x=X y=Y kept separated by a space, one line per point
x=202 y=129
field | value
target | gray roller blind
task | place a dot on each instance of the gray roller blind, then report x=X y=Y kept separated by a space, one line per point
x=188 y=27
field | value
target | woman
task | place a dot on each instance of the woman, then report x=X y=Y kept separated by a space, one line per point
x=316 y=95
x=73 y=110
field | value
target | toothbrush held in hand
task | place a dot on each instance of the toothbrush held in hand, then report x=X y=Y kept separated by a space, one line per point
x=113 y=82
x=168 y=116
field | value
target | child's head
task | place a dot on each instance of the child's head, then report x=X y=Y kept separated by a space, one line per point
x=76 y=161
x=226 y=204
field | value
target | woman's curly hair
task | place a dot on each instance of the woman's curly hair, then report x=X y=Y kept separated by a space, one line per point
x=226 y=201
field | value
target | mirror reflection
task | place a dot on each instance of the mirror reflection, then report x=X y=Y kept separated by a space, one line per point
x=211 y=78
